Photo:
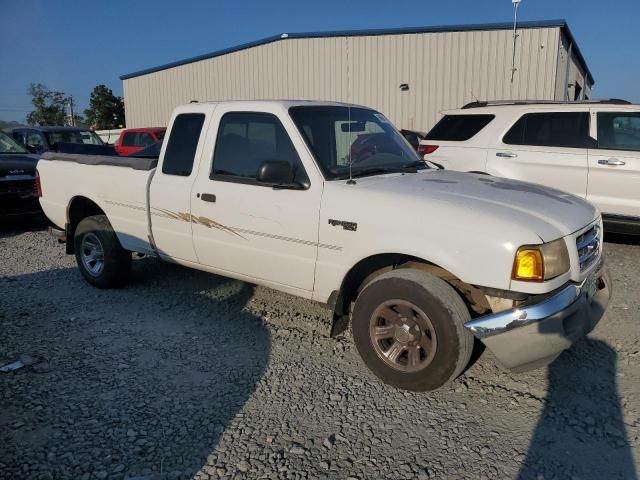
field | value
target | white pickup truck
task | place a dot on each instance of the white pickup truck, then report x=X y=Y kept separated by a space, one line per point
x=327 y=201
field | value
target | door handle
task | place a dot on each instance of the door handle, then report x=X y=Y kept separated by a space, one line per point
x=207 y=197
x=612 y=161
x=506 y=154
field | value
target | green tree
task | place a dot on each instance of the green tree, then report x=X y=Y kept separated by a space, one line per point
x=49 y=106
x=105 y=110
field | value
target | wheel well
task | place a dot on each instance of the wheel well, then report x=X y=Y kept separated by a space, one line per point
x=79 y=208
x=369 y=268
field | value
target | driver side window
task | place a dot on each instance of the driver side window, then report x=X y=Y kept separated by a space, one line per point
x=246 y=140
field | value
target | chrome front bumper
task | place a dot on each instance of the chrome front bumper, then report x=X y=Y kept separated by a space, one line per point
x=534 y=335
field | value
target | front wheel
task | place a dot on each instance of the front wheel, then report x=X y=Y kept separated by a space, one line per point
x=100 y=257
x=408 y=327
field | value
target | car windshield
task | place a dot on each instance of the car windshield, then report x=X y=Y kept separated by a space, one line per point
x=342 y=137
x=8 y=145
x=74 y=136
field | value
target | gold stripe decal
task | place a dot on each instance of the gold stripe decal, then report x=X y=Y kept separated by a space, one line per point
x=204 y=221
x=207 y=222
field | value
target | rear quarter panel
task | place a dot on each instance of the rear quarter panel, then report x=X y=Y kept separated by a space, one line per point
x=119 y=191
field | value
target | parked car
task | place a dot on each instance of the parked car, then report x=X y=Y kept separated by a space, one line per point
x=419 y=260
x=590 y=149
x=17 y=179
x=132 y=140
x=61 y=139
x=413 y=137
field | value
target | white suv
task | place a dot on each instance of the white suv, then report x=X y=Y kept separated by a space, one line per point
x=590 y=149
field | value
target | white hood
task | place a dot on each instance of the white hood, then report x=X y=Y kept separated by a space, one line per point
x=548 y=212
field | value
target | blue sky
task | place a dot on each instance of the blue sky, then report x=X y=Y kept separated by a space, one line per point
x=74 y=45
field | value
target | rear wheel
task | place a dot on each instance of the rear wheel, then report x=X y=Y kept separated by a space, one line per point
x=100 y=257
x=408 y=327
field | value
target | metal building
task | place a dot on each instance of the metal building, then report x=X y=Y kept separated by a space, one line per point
x=409 y=74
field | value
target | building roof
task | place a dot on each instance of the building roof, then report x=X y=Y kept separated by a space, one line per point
x=562 y=24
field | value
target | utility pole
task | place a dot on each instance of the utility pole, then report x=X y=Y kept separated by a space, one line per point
x=516 y=4
x=73 y=117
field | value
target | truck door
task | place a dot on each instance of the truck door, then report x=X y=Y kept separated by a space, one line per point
x=614 y=162
x=171 y=187
x=248 y=228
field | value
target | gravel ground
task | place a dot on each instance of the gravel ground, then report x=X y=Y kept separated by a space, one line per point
x=188 y=375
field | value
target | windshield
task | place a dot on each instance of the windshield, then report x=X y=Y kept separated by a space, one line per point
x=74 y=136
x=340 y=135
x=8 y=145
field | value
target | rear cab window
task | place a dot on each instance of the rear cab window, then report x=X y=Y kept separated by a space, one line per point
x=182 y=144
x=550 y=129
x=459 y=128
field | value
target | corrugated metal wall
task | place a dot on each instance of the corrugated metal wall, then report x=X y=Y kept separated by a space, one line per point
x=566 y=81
x=443 y=70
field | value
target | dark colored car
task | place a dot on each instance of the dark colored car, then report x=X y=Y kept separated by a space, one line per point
x=18 y=194
x=413 y=137
x=61 y=139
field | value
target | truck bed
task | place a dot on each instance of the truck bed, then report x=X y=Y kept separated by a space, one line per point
x=117 y=185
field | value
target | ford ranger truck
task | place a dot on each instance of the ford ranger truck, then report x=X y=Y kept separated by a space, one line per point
x=327 y=201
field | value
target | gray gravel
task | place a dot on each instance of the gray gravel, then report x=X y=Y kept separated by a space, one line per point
x=188 y=375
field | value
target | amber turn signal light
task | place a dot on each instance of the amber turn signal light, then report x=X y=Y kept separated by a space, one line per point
x=528 y=265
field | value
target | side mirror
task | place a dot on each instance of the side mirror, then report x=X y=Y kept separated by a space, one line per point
x=32 y=148
x=277 y=173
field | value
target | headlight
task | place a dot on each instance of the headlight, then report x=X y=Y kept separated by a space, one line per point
x=537 y=263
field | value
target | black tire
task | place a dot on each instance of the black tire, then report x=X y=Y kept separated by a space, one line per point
x=446 y=312
x=116 y=263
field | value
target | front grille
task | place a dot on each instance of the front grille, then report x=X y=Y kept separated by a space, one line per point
x=588 y=245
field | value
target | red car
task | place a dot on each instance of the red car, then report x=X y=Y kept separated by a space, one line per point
x=132 y=140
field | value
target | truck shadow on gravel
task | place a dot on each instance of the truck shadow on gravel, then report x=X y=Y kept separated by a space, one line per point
x=10 y=226
x=141 y=381
x=581 y=431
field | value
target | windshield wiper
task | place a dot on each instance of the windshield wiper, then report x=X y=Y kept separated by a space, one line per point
x=419 y=164
x=370 y=171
